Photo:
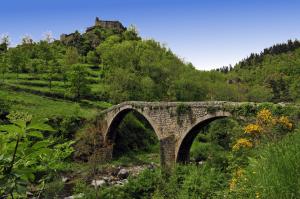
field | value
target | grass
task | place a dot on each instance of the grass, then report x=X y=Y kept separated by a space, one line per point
x=36 y=84
x=43 y=107
x=138 y=158
x=275 y=173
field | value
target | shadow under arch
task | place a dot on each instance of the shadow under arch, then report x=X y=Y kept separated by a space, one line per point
x=183 y=153
x=118 y=118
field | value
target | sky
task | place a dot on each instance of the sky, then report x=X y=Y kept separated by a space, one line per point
x=208 y=33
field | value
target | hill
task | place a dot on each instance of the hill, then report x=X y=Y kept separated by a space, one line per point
x=51 y=91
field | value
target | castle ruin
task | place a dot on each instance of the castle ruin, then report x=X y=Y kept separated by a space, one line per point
x=115 y=25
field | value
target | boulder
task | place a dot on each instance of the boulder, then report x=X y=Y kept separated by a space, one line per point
x=123 y=174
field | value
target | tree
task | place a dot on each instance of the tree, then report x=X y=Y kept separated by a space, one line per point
x=3 y=65
x=45 y=51
x=52 y=70
x=72 y=56
x=27 y=40
x=78 y=82
x=295 y=90
x=92 y=58
x=277 y=82
x=17 y=60
x=48 y=37
x=4 y=43
x=131 y=33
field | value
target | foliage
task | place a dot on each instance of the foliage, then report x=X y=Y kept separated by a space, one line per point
x=71 y=56
x=133 y=135
x=275 y=174
x=89 y=140
x=25 y=152
x=136 y=69
x=114 y=66
x=4 y=106
x=267 y=128
x=78 y=82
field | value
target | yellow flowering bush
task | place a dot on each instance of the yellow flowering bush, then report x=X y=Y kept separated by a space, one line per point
x=264 y=127
x=253 y=129
x=264 y=116
x=285 y=122
x=242 y=142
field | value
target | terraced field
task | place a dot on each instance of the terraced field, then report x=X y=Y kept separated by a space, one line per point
x=31 y=93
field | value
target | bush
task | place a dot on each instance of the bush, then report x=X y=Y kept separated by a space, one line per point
x=4 y=108
x=190 y=181
x=141 y=187
x=222 y=131
x=203 y=182
x=275 y=174
x=66 y=126
x=54 y=189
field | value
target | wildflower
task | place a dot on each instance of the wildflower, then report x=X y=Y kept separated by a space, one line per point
x=233 y=182
x=242 y=142
x=257 y=195
x=285 y=122
x=239 y=172
x=264 y=116
x=253 y=129
x=274 y=121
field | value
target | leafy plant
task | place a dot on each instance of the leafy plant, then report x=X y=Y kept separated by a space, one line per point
x=25 y=152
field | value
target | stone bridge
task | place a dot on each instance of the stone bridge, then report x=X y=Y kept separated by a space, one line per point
x=176 y=124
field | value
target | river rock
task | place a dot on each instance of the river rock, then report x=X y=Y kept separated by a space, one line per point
x=75 y=196
x=65 y=179
x=97 y=183
x=123 y=173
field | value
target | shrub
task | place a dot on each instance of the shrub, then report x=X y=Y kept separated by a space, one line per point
x=190 y=181
x=203 y=182
x=275 y=174
x=141 y=187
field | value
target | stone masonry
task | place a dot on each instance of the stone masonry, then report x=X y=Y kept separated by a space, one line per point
x=176 y=124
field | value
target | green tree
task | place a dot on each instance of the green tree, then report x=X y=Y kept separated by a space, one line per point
x=17 y=60
x=45 y=51
x=131 y=33
x=259 y=93
x=92 y=58
x=52 y=71
x=78 y=82
x=4 y=43
x=71 y=56
x=3 y=65
x=295 y=90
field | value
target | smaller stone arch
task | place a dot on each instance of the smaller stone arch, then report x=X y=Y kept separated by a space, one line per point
x=185 y=143
x=115 y=118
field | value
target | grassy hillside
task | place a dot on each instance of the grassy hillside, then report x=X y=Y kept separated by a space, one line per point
x=50 y=92
x=273 y=74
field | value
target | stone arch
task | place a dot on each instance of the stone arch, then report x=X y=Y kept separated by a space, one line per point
x=117 y=118
x=185 y=143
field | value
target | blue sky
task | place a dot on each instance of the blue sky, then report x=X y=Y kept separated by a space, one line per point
x=208 y=33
